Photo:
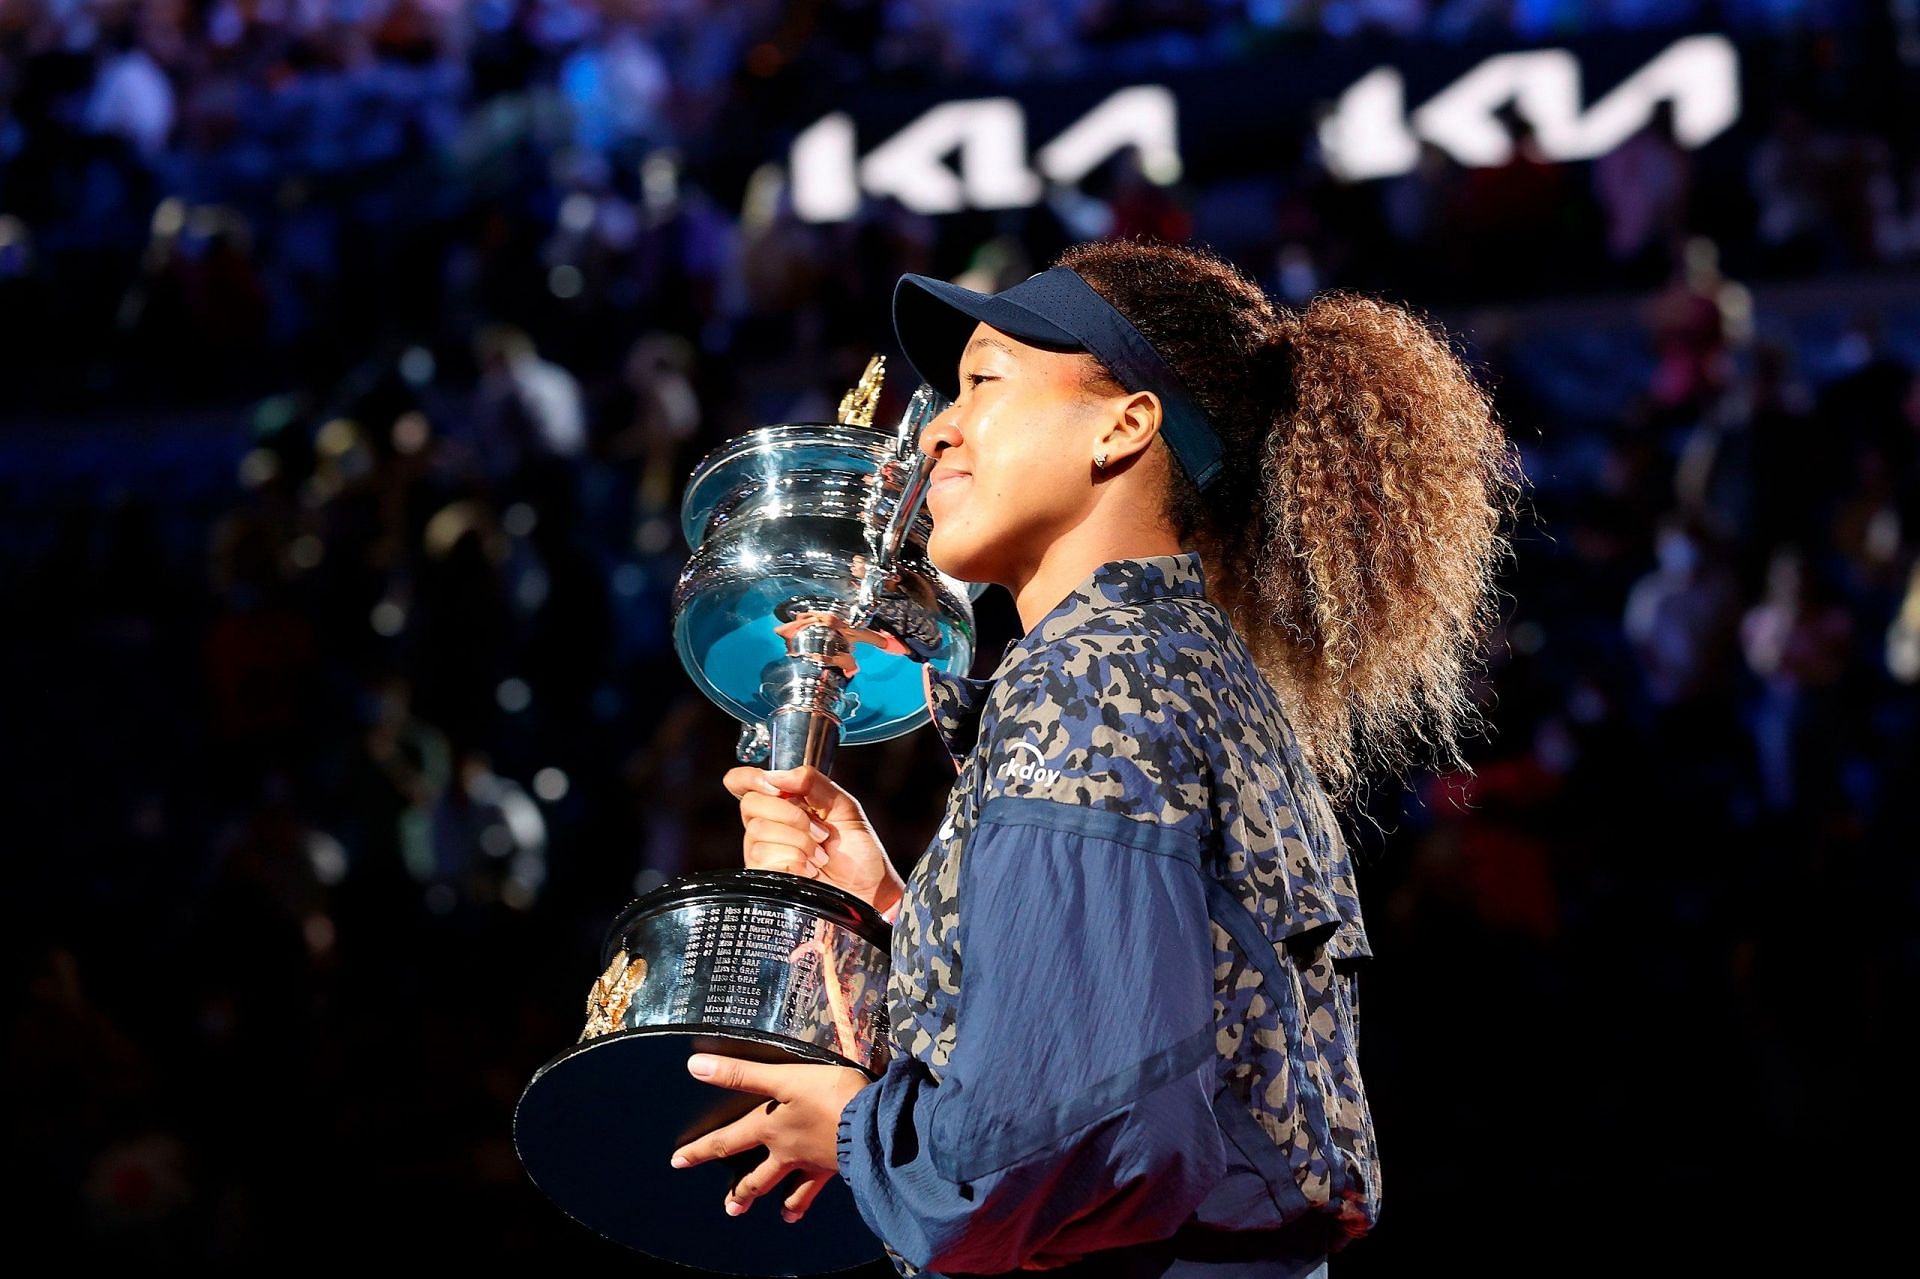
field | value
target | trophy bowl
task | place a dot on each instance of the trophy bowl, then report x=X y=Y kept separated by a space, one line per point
x=805 y=611
x=784 y=521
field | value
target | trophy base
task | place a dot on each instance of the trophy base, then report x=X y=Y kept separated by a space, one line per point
x=606 y=1166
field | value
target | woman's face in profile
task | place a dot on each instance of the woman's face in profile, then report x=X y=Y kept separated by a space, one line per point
x=1015 y=458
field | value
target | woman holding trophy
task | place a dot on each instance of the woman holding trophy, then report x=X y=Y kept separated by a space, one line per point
x=1252 y=550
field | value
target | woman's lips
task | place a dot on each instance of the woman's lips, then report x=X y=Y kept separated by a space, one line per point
x=946 y=480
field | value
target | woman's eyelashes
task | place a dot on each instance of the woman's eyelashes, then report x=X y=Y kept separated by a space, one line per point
x=975 y=379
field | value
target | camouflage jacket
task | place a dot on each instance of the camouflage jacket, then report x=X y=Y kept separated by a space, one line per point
x=1122 y=998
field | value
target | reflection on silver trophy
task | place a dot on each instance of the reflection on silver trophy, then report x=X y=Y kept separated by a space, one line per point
x=806 y=611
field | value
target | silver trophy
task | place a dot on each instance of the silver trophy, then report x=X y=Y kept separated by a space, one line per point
x=806 y=611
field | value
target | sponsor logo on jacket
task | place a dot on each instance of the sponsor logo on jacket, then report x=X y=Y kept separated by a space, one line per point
x=1030 y=767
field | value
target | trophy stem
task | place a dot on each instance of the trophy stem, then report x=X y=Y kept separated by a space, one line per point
x=803 y=736
x=808 y=690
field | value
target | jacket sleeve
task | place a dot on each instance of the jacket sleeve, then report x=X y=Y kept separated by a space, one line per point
x=1075 y=1111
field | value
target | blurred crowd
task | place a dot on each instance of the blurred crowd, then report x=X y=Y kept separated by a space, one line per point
x=357 y=355
x=220 y=199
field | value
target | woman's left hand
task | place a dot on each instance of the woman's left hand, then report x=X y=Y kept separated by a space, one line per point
x=799 y=1127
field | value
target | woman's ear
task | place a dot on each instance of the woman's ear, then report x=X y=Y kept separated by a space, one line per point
x=1131 y=427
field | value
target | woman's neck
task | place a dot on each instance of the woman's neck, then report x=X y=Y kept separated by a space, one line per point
x=1074 y=557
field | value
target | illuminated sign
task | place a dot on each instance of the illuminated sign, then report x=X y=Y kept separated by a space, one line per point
x=990 y=137
x=974 y=153
x=1370 y=135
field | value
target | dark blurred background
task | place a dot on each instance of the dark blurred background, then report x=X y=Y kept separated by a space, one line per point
x=353 y=356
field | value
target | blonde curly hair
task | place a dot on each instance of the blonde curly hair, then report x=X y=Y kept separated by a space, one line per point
x=1355 y=547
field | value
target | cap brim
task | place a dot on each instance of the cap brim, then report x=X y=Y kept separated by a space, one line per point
x=933 y=319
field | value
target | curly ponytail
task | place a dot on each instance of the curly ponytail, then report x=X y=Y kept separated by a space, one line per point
x=1355 y=541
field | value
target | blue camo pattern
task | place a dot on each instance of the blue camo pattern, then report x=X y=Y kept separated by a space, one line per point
x=1135 y=695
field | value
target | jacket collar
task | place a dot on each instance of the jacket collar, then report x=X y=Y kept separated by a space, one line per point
x=957 y=702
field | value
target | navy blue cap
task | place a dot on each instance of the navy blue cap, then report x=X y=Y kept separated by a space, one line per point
x=1058 y=311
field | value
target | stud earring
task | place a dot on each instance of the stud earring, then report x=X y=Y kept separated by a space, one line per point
x=1100 y=461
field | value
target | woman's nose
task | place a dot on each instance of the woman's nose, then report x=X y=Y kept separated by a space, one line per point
x=940 y=433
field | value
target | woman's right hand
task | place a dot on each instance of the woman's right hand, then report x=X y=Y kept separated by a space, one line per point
x=801 y=821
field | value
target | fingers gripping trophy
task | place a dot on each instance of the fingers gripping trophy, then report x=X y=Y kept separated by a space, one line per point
x=737 y=1010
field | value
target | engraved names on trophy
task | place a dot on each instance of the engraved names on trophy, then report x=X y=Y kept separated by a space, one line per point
x=761 y=965
x=735 y=958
